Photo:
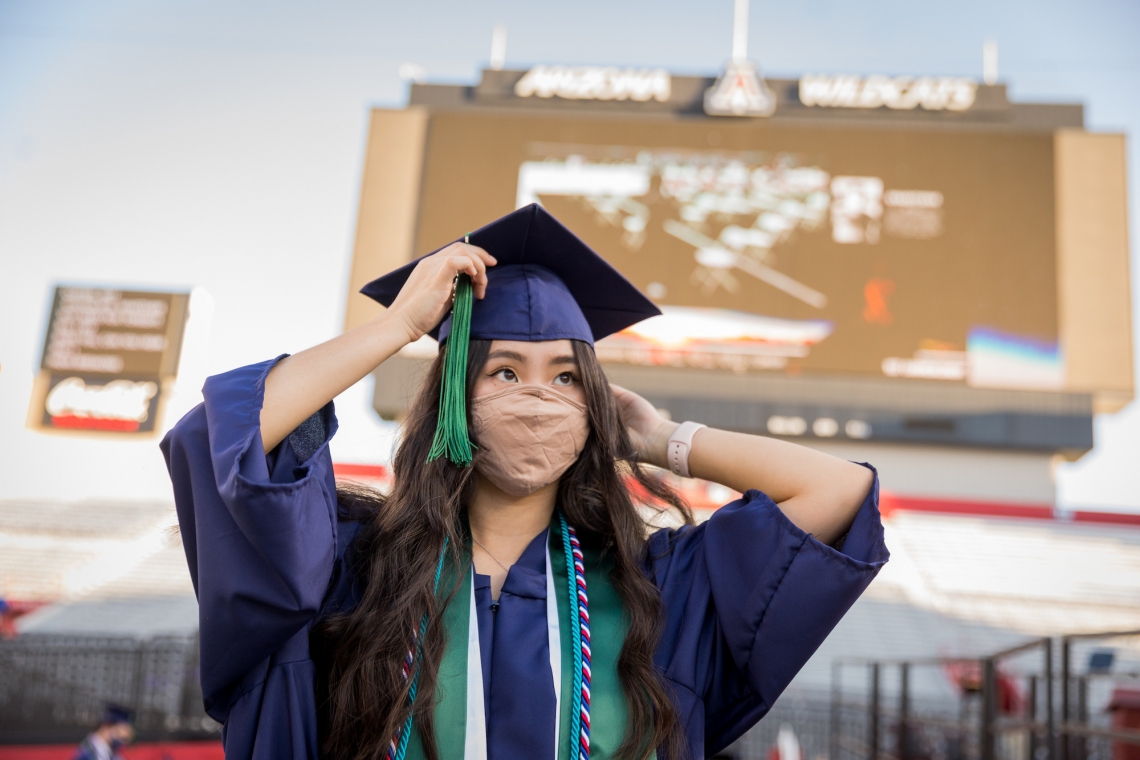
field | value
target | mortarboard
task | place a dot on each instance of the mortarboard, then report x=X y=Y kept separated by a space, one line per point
x=115 y=714
x=548 y=285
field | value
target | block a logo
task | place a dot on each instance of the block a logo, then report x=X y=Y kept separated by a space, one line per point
x=740 y=92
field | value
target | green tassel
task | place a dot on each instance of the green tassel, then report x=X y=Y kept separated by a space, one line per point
x=451 y=439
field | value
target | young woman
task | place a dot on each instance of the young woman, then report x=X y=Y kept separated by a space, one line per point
x=506 y=599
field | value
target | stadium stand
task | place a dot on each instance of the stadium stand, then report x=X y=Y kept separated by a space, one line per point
x=118 y=617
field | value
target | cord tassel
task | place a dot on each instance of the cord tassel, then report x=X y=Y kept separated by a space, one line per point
x=451 y=438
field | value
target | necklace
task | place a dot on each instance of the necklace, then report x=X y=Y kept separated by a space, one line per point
x=488 y=551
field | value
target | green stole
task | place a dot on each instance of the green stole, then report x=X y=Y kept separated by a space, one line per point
x=608 y=709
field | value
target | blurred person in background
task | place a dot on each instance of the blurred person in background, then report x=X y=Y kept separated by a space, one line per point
x=10 y=612
x=115 y=731
x=7 y=621
x=506 y=599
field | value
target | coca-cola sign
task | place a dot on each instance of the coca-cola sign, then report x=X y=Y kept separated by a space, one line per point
x=121 y=405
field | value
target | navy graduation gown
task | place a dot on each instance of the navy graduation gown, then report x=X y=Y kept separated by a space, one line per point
x=518 y=687
x=748 y=596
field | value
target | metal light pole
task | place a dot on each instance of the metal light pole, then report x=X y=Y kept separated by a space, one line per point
x=740 y=31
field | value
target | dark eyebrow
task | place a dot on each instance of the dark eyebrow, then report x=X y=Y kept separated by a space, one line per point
x=505 y=354
x=563 y=360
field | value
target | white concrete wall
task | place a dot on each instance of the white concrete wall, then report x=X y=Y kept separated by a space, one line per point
x=939 y=472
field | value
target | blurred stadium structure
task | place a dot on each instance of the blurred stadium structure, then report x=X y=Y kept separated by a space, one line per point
x=116 y=621
x=55 y=687
x=119 y=621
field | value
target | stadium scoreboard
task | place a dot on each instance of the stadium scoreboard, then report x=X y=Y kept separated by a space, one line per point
x=934 y=265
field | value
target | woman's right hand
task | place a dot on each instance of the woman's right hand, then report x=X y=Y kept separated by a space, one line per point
x=301 y=384
x=426 y=296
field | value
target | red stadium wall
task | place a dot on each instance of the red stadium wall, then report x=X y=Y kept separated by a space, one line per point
x=156 y=751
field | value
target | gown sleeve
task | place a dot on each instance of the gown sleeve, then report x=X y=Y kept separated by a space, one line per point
x=260 y=532
x=748 y=598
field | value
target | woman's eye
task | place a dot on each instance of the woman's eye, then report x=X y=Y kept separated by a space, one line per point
x=566 y=378
x=506 y=375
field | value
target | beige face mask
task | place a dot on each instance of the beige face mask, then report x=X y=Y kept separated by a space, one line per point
x=529 y=435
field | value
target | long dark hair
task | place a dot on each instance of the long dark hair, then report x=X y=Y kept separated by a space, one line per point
x=364 y=696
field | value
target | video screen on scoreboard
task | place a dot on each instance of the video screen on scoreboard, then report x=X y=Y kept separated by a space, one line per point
x=918 y=254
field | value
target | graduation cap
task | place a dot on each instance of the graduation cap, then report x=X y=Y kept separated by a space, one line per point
x=548 y=285
x=115 y=714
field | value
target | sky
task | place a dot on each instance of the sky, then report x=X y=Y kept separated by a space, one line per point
x=219 y=146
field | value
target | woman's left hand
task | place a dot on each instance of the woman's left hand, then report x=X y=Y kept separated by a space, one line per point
x=820 y=493
x=648 y=431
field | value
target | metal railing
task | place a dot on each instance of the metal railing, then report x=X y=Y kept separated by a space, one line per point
x=54 y=688
x=1078 y=739
x=1009 y=705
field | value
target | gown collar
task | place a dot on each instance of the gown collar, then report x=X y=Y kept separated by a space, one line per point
x=527 y=577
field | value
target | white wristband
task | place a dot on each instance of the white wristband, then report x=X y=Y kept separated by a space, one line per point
x=680 y=444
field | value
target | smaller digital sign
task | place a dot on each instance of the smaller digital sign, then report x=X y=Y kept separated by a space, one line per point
x=115 y=331
x=107 y=354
